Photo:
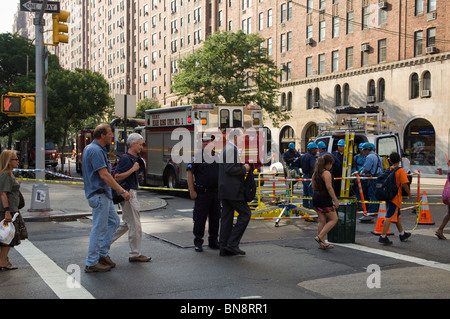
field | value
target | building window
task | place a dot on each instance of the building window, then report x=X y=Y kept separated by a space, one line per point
x=418 y=39
x=349 y=58
x=309 y=31
x=309 y=7
x=283 y=12
x=431 y=37
x=335 y=61
x=431 y=5
x=309 y=66
x=335 y=31
x=289 y=10
x=261 y=21
x=346 y=94
x=337 y=95
x=381 y=50
x=371 y=88
x=288 y=71
x=364 y=58
x=269 y=46
x=283 y=43
x=349 y=22
x=309 y=99
x=418 y=8
x=426 y=81
x=269 y=18
x=381 y=90
x=289 y=101
x=322 y=63
x=321 y=31
x=414 y=86
x=365 y=17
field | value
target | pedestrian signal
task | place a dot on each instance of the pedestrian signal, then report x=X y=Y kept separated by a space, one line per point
x=19 y=104
x=11 y=104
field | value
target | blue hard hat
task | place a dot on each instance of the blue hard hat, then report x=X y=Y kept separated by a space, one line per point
x=321 y=145
x=361 y=145
x=341 y=142
x=292 y=145
x=312 y=145
x=368 y=145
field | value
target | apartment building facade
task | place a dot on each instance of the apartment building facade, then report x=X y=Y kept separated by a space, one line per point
x=332 y=54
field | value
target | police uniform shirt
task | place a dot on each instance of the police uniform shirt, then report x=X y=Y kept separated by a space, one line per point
x=206 y=174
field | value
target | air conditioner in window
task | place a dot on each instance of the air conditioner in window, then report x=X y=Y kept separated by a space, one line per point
x=431 y=16
x=425 y=93
x=308 y=41
x=365 y=47
x=370 y=99
x=281 y=67
x=431 y=50
x=382 y=5
x=316 y=105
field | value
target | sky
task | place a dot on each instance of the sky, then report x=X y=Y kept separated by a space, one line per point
x=7 y=10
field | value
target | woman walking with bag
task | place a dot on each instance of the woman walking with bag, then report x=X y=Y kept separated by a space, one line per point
x=324 y=199
x=9 y=204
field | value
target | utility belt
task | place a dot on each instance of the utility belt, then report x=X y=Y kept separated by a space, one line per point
x=200 y=189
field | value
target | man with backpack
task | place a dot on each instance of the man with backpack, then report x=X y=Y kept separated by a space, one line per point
x=393 y=205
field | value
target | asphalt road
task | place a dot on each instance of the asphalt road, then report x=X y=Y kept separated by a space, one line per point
x=281 y=262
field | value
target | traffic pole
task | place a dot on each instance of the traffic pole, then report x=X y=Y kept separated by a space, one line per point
x=40 y=200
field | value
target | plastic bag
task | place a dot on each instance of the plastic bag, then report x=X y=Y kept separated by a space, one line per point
x=7 y=230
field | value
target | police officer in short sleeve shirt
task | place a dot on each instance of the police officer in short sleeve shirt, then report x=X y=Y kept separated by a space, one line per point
x=203 y=178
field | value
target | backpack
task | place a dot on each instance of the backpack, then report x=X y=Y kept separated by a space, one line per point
x=386 y=186
x=249 y=185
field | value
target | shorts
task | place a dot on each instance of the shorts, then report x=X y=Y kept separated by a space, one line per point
x=392 y=212
x=324 y=210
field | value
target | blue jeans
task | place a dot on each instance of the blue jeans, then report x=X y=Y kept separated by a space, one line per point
x=105 y=222
x=371 y=184
x=307 y=191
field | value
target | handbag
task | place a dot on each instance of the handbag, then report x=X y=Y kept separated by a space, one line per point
x=446 y=193
x=21 y=201
x=7 y=230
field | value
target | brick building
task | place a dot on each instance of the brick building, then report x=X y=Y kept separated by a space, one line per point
x=332 y=54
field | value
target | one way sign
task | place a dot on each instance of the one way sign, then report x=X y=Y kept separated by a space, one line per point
x=36 y=6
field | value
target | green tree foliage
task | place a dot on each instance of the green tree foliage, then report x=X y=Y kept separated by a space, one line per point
x=232 y=68
x=145 y=104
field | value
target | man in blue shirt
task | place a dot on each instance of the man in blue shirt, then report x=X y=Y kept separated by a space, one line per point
x=127 y=174
x=373 y=167
x=97 y=187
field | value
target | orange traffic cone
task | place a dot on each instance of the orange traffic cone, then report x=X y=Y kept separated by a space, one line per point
x=380 y=220
x=425 y=216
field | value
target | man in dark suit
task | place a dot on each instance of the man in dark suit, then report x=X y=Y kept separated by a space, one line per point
x=231 y=193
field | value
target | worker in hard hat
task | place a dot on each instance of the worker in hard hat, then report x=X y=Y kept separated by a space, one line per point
x=291 y=158
x=373 y=167
x=359 y=160
x=337 y=169
x=308 y=161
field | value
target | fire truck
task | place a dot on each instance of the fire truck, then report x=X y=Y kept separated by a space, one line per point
x=84 y=138
x=173 y=135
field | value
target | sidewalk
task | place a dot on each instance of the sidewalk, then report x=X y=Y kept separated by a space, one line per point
x=69 y=201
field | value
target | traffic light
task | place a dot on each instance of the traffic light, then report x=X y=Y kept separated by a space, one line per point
x=19 y=104
x=58 y=27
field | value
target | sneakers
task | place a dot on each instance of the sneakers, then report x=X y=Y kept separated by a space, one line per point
x=386 y=241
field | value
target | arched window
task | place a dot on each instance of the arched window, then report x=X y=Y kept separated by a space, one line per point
x=371 y=88
x=309 y=99
x=381 y=90
x=426 y=81
x=337 y=95
x=346 y=94
x=283 y=100
x=316 y=95
x=414 y=86
x=289 y=102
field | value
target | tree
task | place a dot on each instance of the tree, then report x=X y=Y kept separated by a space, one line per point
x=74 y=96
x=145 y=104
x=231 y=68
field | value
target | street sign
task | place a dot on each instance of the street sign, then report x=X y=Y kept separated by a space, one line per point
x=36 y=6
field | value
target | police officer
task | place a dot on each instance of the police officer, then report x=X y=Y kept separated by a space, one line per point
x=203 y=178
